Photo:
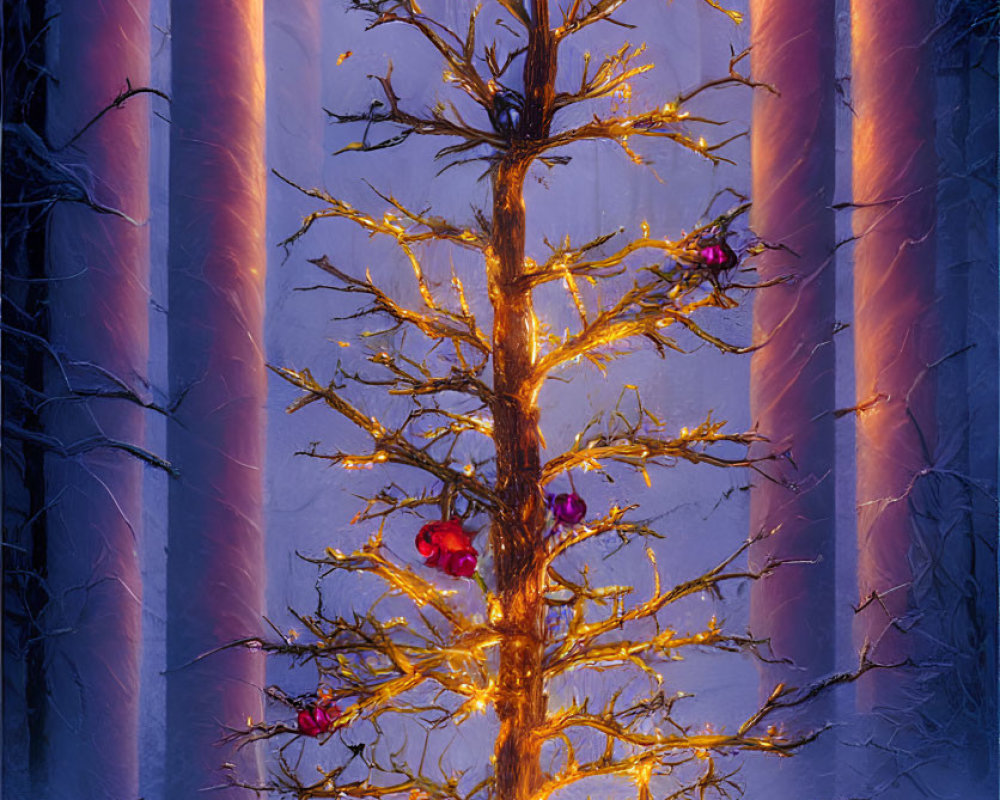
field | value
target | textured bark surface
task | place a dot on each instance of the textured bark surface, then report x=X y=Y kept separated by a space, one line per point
x=99 y=331
x=517 y=540
x=23 y=477
x=792 y=380
x=894 y=182
x=792 y=375
x=215 y=573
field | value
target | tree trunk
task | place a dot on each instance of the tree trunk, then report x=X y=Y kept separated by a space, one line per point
x=792 y=375
x=98 y=299
x=895 y=172
x=964 y=617
x=24 y=301
x=977 y=174
x=215 y=568
x=517 y=539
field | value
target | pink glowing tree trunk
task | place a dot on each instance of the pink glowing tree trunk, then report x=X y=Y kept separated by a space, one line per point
x=895 y=174
x=215 y=574
x=98 y=298
x=792 y=375
x=894 y=183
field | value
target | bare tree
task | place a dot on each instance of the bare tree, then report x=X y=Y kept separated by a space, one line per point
x=418 y=655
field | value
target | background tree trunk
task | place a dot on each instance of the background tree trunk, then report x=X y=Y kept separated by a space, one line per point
x=953 y=563
x=98 y=298
x=894 y=182
x=971 y=62
x=792 y=376
x=215 y=573
x=24 y=335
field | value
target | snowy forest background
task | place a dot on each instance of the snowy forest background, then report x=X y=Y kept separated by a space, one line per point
x=154 y=501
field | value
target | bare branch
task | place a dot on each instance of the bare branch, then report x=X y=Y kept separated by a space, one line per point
x=390 y=447
x=639 y=450
x=581 y=631
x=457 y=51
x=684 y=251
x=431 y=326
x=119 y=101
x=643 y=311
x=635 y=653
x=575 y=21
x=421 y=228
x=414 y=379
x=89 y=444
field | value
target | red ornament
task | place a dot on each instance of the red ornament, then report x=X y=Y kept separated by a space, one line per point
x=318 y=719
x=447 y=546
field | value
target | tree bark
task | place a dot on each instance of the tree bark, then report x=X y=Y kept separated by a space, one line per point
x=895 y=172
x=23 y=347
x=98 y=299
x=894 y=181
x=965 y=618
x=517 y=539
x=215 y=571
x=792 y=375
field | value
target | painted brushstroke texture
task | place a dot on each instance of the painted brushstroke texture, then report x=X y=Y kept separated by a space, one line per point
x=99 y=263
x=792 y=378
x=215 y=572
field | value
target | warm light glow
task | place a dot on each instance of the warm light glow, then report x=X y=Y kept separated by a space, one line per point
x=492 y=644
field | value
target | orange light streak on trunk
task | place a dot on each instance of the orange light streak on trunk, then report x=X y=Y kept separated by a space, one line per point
x=895 y=171
x=215 y=572
x=792 y=379
x=792 y=376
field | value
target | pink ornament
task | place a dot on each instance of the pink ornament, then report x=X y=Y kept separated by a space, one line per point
x=568 y=509
x=461 y=565
x=718 y=255
x=318 y=719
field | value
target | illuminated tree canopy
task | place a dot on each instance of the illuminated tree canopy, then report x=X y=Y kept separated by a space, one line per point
x=461 y=380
